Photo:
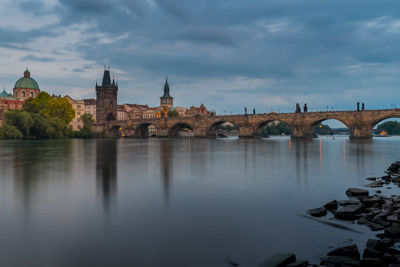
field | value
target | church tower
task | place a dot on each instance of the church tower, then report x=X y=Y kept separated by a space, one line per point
x=166 y=100
x=106 y=99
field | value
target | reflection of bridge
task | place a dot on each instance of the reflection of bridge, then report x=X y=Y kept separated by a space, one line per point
x=359 y=123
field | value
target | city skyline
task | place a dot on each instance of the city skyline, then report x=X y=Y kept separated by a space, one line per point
x=214 y=53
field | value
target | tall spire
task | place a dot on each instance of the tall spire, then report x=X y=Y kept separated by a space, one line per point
x=166 y=88
x=106 y=78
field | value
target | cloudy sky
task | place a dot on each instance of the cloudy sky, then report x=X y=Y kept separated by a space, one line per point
x=227 y=54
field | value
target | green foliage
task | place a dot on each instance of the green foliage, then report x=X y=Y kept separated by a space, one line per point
x=276 y=129
x=10 y=132
x=391 y=127
x=173 y=113
x=43 y=117
x=21 y=120
x=50 y=107
x=322 y=129
x=86 y=131
x=227 y=128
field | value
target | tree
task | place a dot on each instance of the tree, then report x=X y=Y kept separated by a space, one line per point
x=10 y=132
x=391 y=127
x=173 y=113
x=21 y=120
x=276 y=129
x=86 y=131
x=50 y=107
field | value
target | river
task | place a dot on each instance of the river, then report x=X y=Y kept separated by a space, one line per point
x=177 y=202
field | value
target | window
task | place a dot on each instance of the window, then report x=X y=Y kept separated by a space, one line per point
x=23 y=93
x=79 y=113
x=31 y=94
x=79 y=106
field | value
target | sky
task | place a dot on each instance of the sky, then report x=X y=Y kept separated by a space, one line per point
x=227 y=54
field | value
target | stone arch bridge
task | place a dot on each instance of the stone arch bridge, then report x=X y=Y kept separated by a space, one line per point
x=359 y=123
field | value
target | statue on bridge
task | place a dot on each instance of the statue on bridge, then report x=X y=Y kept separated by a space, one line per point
x=358 y=106
x=254 y=111
x=298 y=110
x=305 y=108
x=245 y=110
x=362 y=106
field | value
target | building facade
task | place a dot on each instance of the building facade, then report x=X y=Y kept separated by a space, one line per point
x=90 y=107
x=8 y=102
x=198 y=111
x=122 y=115
x=166 y=100
x=150 y=113
x=106 y=99
x=26 y=87
x=79 y=107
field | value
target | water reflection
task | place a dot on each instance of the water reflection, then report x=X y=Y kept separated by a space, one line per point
x=166 y=157
x=106 y=170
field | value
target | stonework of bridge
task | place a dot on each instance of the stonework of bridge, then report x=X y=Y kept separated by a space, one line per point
x=359 y=123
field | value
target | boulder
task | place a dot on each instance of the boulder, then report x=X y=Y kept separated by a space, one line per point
x=371 y=178
x=279 y=260
x=370 y=262
x=338 y=261
x=376 y=245
x=346 y=251
x=349 y=202
x=393 y=230
x=332 y=205
x=298 y=263
x=348 y=213
x=372 y=253
x=376 y=184
x=318 y=212
x=355 y=192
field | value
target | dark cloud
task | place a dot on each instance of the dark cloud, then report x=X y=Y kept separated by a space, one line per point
x=312 y=47
x=35 y=58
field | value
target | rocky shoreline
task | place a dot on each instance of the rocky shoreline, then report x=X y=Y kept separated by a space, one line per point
x=378 y=212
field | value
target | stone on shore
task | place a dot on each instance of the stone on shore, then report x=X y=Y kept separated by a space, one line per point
x=371 y=262
x=376 y=245
x=355 y=192
x=371 y=178
x=278 y=260
x=393 y=230
x=376 y=184
x=298 y=263
x=331 y=206
x=372 y=253
x=318 y=212
x=346 y=251
x=338 y=261
x=349 y=202
x=348 y=213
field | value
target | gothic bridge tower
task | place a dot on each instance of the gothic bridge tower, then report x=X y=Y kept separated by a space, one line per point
x=106 y=99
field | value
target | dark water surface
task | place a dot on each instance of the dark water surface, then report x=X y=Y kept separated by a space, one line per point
x=176 y=202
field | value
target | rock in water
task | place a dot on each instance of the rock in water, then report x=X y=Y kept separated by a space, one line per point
x=348 y=213
x=347 y=251
x=332 y=205
x=279 y=260
x=354 y=192
x=319 y=212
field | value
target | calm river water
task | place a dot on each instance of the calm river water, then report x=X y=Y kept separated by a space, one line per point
x=177 y=202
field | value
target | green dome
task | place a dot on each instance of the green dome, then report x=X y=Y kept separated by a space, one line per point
x=27 y=82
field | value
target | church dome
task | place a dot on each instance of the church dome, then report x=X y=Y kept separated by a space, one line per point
x=27 y=82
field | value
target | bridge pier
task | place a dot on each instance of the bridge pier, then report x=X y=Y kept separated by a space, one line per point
x=245 y=132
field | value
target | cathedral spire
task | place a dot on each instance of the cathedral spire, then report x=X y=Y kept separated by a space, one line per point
x=166 y=88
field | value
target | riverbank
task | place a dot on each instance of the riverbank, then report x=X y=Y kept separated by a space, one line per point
x=379 y=212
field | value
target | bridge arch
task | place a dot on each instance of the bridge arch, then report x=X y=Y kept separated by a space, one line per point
x=180 y=126
x=143 y=130
x=212 y=129
x=314 y=124
x=116 y=131
x=377 y=121
x=257 y=132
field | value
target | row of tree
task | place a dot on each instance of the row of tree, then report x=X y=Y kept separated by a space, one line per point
x=44 y=117
x=391 y=127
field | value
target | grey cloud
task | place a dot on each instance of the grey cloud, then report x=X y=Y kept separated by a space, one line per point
x=35 y=58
